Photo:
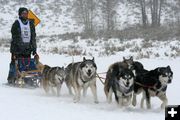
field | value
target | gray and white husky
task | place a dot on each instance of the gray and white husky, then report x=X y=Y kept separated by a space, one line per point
x=53 y=77
x=81 y=75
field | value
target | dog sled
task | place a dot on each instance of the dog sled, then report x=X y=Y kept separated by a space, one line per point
x=25 y=72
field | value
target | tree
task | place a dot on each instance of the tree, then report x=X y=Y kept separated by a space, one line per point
x=84 y=11
x=156 y=10
x=143 y=12
x=108 y=8
x=176 y=9
x=142 y=5
x=154 y=7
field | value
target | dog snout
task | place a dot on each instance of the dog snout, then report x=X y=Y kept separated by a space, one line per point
x=127 y=84
x=60 y=79
x=169 y=81
x=89 y=71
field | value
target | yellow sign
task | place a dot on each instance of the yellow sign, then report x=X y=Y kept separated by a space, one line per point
x=34 y=18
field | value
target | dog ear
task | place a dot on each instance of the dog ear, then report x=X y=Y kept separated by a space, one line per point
x=63 y=67
x=82 y=65
x=95 y=65
x=124 y=58
x=57 y=68
x=131 y=58
x=93 y=59
x=168 y=67
x=84 y=59
x=159 y=69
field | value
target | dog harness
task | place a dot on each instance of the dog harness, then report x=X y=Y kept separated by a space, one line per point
x=158 y=90
x=25 y=32
x=146 y=86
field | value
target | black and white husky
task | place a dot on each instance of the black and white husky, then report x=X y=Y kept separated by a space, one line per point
x=81 y=75
x=119 y=81
x=114 y=72
x=152 y=83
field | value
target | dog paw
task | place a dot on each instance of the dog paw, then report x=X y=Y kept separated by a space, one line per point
x=134 y=103
x=148 y=107
x=96 y=102
x=127 y=103
x=162 y=106
x=109 y=101
x=75 y=101
x=120 y=105
x=142 y=106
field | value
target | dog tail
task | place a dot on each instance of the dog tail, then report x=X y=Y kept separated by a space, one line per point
x=45 y=85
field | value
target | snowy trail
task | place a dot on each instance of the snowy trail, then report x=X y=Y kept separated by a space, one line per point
x=33 y=104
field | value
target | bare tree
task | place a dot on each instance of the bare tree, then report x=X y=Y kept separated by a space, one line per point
x=108 y=8
x=84 y=11
x=154 y=6
x=176 y=9
x=142 y=5
x=143 y=12
x=156 y=10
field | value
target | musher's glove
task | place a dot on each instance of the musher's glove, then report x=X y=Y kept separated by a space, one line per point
x=34 y=53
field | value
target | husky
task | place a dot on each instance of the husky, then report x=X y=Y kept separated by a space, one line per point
x=53 y=77
x=81 y=75
x=153 y=83
x=113 y=71
x=128 y=62
x=121 y=83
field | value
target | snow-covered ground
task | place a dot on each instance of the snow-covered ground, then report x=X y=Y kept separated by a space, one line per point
x=138 y=48
x=33 y=104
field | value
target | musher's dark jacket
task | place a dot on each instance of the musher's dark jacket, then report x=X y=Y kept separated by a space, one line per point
x=18 y=47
